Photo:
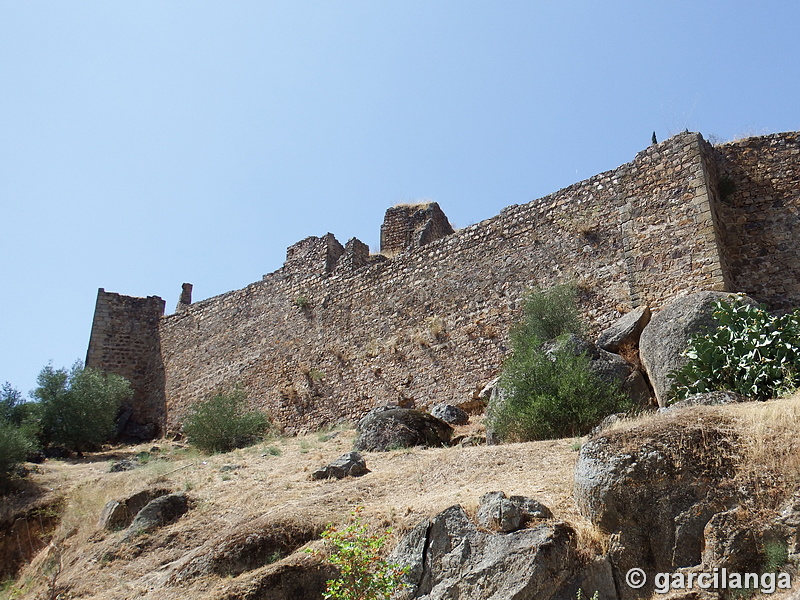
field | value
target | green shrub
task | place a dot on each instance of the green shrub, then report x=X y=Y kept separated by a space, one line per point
x=550 y=394
x=363 y=573
x=16 y=411
x=750 y=352
x=548 y=314
x=222 y=422
x=15 y=446
x=78 y=408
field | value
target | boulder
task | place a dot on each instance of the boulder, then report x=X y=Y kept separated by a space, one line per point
x=667 y=335
x=656 y=486
x=400 y=428
x=496 y=512
x=351 y=464
x=450 y=414
x=157 y=513
x=119 y=514
x=448 y=557
x=250 y=545
x=625 y=331
x=610 y=367
x=706 y=399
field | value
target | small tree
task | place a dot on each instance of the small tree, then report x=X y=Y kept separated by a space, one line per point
x=79 y=407
x=363 y=573
x=15 y=446
x=550 y=393
x=223 y=422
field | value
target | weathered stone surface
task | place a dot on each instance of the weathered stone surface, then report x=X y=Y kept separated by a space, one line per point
x=496 y=512
x=448 y=557
x=609 y=367
x=635 y=386
x=707 y=399
x=245 y=547
x=413 y=225
x=157 y=513
x=668 y=334
x=450 y=414
x=351 y=464
x=656 y=487
x=626 y=330
x=401 y=428
x=119 y=514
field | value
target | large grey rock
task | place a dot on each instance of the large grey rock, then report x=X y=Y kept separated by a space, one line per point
x=656 y=487
x=449 y=558
x=118 y=514
x=157 y=513
x=351 y=464
x=609 y=367
x=706 y=399
x=668 y=334
x=625 y=331
x=497 y=512
x=450 y=414
x=401 y=428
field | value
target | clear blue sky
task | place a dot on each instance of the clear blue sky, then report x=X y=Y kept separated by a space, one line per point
x=144 y=144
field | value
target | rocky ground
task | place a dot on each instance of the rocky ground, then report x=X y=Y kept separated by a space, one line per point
x=249 y=513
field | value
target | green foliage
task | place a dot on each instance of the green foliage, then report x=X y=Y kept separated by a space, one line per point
x=548 y=314
x=363 y=574
x=553 y=393
x=776 y=555
x=15 y=446
x=302 y=302
x=750 y=352
x=223 y=422
x=16 y=411
x=78 y=407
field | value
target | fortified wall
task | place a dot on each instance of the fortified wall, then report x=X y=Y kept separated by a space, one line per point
x=337 y=331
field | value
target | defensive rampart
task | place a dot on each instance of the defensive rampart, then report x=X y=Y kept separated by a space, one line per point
x=337 y=331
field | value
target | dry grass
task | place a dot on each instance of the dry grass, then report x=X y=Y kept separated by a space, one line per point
x=270 y=484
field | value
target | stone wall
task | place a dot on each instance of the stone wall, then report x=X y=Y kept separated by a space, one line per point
x=759 y=182
x=125 y=341
x=431 y=324
x=337 y=331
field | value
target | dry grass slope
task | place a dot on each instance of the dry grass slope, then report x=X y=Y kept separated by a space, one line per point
x=268 y=486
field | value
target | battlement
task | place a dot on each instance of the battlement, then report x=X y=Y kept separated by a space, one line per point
x=411 y=226
x=427 y=320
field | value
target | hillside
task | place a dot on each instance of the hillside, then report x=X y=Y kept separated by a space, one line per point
x=266 y=491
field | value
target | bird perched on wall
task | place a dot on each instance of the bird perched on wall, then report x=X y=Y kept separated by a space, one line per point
x=655 y=141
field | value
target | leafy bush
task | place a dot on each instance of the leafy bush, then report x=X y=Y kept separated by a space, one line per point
x=554 y=393
x=78 y=407
x=15 y=446
x=548 y=314
x=222 y=422
x=363 y=573
x=750 y=352
x=16 y=411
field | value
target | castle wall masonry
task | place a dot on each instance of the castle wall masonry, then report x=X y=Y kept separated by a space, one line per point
x=336 y=331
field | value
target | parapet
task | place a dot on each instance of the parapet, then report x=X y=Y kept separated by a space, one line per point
x=186 y=297
x=313 y=255
x=412 y=225
x=355 y=256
